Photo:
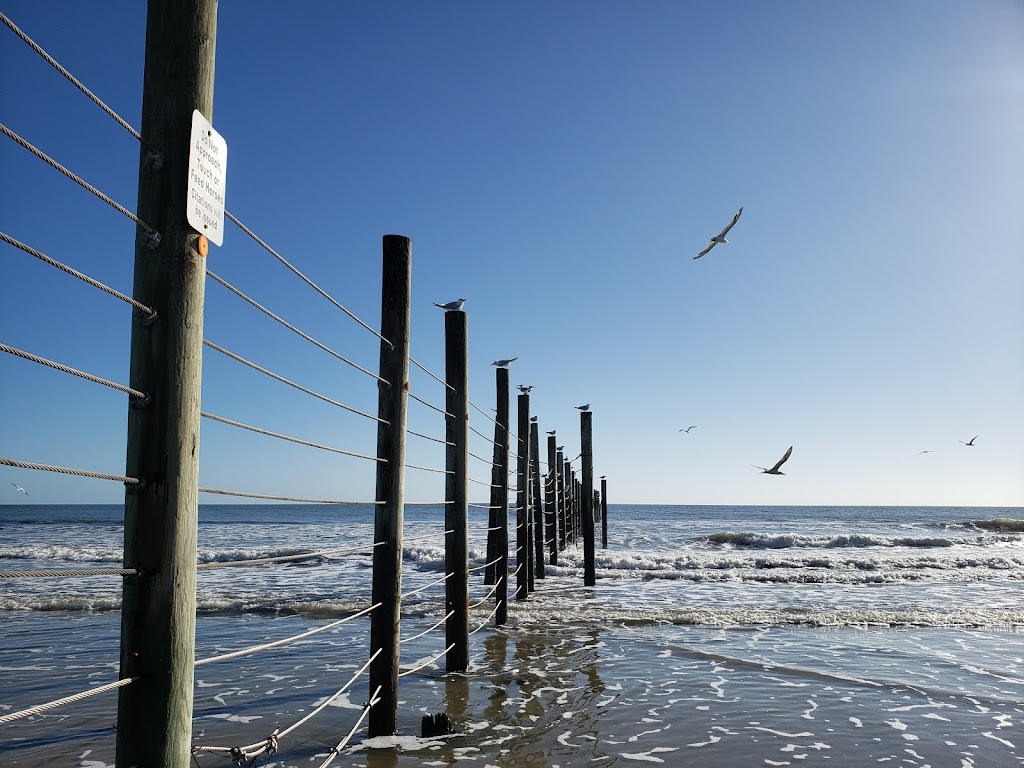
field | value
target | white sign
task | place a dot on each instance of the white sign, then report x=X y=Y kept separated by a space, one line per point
x=207 y=166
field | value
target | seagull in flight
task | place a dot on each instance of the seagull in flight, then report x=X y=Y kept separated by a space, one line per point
x=920 y=452
x=584 y=407
x=451 y=306
x=775 y=470
x=970 y=442
x=19 y=488
x=687 y=430
x=720 y=237
x=524 y=390
x=505 y=363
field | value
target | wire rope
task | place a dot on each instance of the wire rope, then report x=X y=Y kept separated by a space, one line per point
x=239 y=424
x=428 y=630
x=336 y=750
x=426 y=663
x=67 y=700
x=148 y=313
x=491 y=614
x=74 y=81
x=426 y=587
x=69 y=471
x=299 y=387
x=292 y=328
x=242 y=494
x=60 y=574
x=442 y=411
x=428 y=437
x=140 y=397
x=305 y=279
x=285 y=558
x=430 y=373
x=152 y=234
x=284 y=641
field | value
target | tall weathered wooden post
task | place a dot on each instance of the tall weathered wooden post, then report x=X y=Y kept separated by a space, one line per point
x=537 y=503
x=587 y=506
x=562 y=500
x=604 y=513
x=499 y=498
x=392 y=408
x=456 y=511
x=160 y=518
x=551 y=502
x=523 y=500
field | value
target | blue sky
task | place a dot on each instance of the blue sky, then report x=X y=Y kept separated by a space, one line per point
x=558 y=165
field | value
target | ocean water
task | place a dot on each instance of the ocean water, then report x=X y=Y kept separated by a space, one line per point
x=720 y=636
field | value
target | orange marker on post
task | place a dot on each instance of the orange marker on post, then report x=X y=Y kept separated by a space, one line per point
x=203 y=246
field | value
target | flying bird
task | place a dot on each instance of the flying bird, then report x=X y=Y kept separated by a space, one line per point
x=720 y=237
x=524 y=390
x=687 y=430
x=451 y=306
x=920 y=452
x=19 y=488
x=504 y=363
x=775 y=470
x=584 y=407
x=970 y=442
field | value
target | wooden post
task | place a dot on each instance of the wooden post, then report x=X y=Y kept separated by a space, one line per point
x=587 y=498
x=392 y=407
x=523 y=500
x=154 y=725
x=551 y=502
x=538 y=511
x=456 y=511
x=604 y=513
x=567 y=479
x=563 y=530
x=499 y=497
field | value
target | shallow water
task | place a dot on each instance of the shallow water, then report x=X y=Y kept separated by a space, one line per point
x=725 y=636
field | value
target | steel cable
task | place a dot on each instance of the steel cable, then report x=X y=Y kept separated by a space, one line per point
x=299 y=387
x=67 y=700
x=141 y=397
x=428 y=630
x=239 y=424
x=282 y=498
x=152 y=234
x=148 y=313
x=426 y=663
x=292 y=328
x=68 y=471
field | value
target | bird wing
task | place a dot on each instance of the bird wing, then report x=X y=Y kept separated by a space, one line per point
x=784 y=457
x=732 y=223
x=710 y=245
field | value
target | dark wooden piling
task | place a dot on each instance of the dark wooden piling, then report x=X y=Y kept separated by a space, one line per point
x=499 y=499
x=161 y=517
x=523 y=500
x=392 y=407
x=563 y=525
x=604 y=513
x=551 y=502
x=538 y=503
x=456 y=511
x=587 y=498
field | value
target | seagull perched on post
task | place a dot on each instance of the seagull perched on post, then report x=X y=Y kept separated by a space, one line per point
x=524 y=390
x=687 y=430
x=19 y=488
x=504 y=363
x=533 y=419
x=775 y=470
x=720 y=237
x=584 y=407
x=970 y=443
x=451 y=306
x=551 y=432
